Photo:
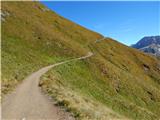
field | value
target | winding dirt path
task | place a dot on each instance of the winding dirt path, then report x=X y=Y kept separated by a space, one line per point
x=28 y=102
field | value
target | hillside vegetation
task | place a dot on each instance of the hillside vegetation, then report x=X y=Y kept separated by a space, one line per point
x=117 y=82
x=33 y=36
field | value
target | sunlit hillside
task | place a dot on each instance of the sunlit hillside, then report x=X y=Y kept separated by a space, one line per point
x=116 y=82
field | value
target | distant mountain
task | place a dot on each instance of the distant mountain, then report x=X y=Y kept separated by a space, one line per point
x=150 y=44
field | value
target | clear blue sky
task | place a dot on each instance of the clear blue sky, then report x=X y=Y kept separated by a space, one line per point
x=126 y=22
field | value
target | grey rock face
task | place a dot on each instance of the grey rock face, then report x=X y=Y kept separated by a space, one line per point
x=149 y=45
x=4 y=14
x=146 y=41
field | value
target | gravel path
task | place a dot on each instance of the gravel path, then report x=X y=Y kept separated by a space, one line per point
x=27 y=102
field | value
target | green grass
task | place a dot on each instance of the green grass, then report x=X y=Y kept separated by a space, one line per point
x=124 y=88
x=33 y=38
x=19 y=60
x=118 y=82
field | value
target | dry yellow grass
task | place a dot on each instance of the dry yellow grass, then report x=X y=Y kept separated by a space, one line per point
x=117 y=82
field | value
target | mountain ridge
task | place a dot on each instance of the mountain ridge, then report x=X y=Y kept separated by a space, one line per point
x=33 y=37
x=149 y=44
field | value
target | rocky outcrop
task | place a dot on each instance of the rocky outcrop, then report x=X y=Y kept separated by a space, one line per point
x=4 y=14
x=149 y=45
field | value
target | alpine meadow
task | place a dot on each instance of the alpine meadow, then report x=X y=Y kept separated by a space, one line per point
x=114 y=81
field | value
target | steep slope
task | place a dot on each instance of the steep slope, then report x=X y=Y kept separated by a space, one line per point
x=118 y=77
x=33 y=36
x=28 y=102
x=116 y=82
x=149 y=45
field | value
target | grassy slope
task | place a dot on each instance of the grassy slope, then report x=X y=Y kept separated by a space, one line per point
x=117 y=81
x=114 y=77
x=33 y=37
